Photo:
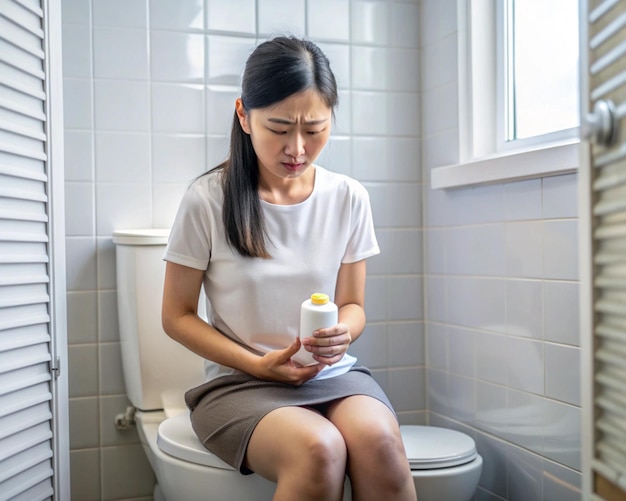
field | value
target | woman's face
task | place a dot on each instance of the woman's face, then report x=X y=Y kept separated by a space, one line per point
x=288 y=136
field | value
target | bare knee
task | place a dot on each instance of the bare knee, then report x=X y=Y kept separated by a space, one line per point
x=377 y=462
x=316 y=467
x=386 y=445
x=302 y=452
x=323 y=458
x=385 y=461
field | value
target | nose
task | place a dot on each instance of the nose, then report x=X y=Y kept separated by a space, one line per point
x=295 y=145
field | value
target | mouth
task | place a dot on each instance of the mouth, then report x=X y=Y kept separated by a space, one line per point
x=292 y=166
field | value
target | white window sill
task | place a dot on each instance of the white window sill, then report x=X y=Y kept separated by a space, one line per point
x=549 y=160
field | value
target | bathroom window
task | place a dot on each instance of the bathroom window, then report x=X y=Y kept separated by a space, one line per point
x=537 y=71
x=518 y=99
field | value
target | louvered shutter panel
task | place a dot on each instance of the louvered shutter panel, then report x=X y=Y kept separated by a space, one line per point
x=26 y=448
x=606 y=39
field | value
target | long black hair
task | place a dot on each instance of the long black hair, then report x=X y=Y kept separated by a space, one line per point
x=275 y=70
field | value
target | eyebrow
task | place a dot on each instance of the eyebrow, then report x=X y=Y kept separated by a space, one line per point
x=289 y=122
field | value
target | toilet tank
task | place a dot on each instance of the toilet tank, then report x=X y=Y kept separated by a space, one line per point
x=157 y=369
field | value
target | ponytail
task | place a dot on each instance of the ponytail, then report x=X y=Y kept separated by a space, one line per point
x=242 y=214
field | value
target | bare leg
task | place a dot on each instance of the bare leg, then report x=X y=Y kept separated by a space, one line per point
x=377 y=463
x=300 y=450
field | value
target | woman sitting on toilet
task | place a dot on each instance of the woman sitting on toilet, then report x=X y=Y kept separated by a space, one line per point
x=261 y=232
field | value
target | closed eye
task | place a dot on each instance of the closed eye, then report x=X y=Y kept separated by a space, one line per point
x=280 y=132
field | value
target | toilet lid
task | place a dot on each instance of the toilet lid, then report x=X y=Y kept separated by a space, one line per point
x=177 y=438
x=430 y=447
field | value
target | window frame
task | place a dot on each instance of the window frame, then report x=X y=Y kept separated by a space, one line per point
x=482 y=158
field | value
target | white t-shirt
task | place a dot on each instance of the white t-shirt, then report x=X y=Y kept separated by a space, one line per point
x=254 y=301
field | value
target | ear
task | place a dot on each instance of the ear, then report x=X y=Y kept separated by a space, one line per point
x=242 y=114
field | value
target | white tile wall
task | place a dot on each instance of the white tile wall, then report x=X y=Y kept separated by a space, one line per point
x=77 y=103
x=77 y=51
x=328 y=20
x=176 y=57
x=122 y=156
x=122 y=105
x=524 y=249
x=340 y=62
x=122 y=205
x=560 y=252
x=371 y=22
x=120 y=53
x=177 y=158
x=79 y=206
x=220 y=104
x=235 y=15
x=563 y=373
x=343 y=114
x=560 y=196
x=82 y=308
x=181 y=15
x=278 y=16
x=560 y=300
x=226 y=59
x=79 y=155
x=501 y=293
x=177 y=108
x=522 y=200
x=524 y=308
x=404 y=19
x=149 y=93
x=123 y=13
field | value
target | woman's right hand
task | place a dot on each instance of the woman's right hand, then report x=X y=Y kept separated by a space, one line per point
x=278 y=366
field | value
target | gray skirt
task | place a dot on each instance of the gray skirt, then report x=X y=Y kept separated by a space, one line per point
x=225 y=411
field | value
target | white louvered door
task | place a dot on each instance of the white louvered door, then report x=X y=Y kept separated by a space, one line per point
x=603 y=256
x=33 y=401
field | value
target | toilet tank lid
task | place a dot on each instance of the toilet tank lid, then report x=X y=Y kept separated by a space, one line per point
x=430 y=447
x=141 y=236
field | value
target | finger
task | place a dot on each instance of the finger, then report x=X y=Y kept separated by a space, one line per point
x=285 y=354
x=320 y=338
x=301 y=375
x=331 y=341
x=328 y=359
x=330 y=351
x=293 y=348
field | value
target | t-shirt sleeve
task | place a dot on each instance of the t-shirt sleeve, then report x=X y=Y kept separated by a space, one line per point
x=362 y=242
x=189 y=243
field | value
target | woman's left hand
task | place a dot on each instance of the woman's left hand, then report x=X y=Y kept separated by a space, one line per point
x=329 y=345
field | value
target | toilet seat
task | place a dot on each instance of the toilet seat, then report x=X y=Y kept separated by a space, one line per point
x=427 y=447
x=431 y=447
x=177 y=438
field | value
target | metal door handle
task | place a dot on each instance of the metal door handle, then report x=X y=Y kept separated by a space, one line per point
x=601 y=125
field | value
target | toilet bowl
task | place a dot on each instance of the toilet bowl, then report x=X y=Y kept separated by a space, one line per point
x=157 y=371
x=198 y=475
x=445 y=464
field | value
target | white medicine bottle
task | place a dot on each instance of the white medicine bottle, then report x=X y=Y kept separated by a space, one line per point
x=317 y=312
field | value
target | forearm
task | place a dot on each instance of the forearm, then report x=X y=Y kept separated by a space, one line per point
x=203 y=339
x=353 y=315
x=350 y=297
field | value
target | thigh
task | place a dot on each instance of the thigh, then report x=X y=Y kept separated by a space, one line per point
x=288 y=437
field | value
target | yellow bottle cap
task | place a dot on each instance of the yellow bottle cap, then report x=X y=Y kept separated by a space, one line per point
x=319 y=298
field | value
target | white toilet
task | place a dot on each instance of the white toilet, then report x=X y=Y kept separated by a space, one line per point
x=157 y=371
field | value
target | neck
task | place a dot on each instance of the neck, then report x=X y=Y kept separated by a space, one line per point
x=287 y=191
